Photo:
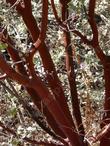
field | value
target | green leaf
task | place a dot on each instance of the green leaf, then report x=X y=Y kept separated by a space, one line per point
x=3 y=46
x=15 y=142
x=13 y=112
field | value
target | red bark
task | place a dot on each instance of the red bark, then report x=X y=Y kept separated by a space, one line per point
x=54 y=103
x=36 y=99
x=71 y=74
x=48 y=64
x=32 y=25
x=58 y=108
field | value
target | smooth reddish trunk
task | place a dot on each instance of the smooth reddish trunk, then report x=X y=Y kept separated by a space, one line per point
x=71 y=73
x=72 y=83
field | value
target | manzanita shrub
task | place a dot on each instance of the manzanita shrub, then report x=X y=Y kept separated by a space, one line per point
x=61 y=121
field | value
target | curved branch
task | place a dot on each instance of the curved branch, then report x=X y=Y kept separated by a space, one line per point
x=92 y=22
x=71 y=74
x=10 y=72
x=94 y=42
x=43 y=26
x=4 y=76
x=91 y=19
x=83 y=38
x=56 y=16
x=34 y=95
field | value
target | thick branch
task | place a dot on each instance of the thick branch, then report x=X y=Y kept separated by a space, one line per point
x=71 y=74
x=91 y=19
x=46 y=97
x=92 y=22
x=83 y=37
x=11 y=73
x=43 y=25
x=36 y=99
x=48 y=65
x=56 y=15
x=59 y=110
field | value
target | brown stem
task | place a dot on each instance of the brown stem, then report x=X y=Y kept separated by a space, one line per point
x=44 y=23
x=92 y=21
x=56 y=16
x=71 y=75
